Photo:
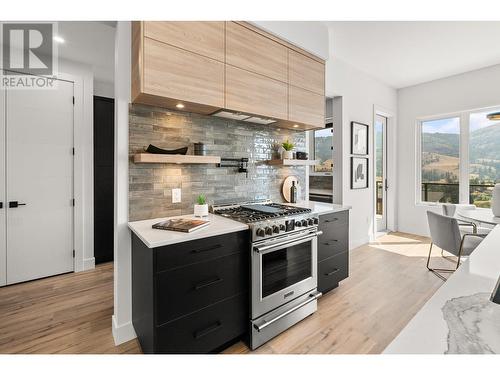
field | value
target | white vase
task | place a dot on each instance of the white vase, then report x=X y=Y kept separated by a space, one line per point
x=200 y=210
x=495 y=200
x=287 y=154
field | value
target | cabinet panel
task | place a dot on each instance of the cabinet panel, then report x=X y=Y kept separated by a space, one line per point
x=206 y=330
x=175 y=73
x=331 y=271
x=306 y=107
x=306 y=73
x=254 y=93
x=251 y=51
x=3 y=210
x=204 y=38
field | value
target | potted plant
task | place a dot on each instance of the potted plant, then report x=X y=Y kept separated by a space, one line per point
x=201 y=208
x=287 y=150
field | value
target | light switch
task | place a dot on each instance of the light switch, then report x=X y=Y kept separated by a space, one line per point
x=176 y=196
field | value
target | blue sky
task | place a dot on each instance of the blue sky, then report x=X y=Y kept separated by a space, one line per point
x=452 y=125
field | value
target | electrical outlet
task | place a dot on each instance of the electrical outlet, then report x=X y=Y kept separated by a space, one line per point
x=176 y=196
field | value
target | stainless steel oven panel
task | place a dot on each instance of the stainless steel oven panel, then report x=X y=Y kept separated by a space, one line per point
x=262 y=305
x=270 y=325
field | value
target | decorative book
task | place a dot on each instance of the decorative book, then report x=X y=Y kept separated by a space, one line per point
x=181 y=225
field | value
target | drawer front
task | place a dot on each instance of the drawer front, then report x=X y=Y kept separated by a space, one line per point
x=337 y=218
x=184 y=290
x=333 y=241
x=332 y=270
x=252 y=51
x=202 y=37
x=205 y=330
x=185 y=253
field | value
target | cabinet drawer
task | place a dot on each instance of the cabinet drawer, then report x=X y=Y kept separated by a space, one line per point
x=171 y=72
x=306 y=73
x=184 y=290
x=206 y=330
x=306 y=107
x=337 y=218
x=184 y=253
x=333 y=242
x=202 y=37
x=332 y=270
x=252 y=51
x=248 y=92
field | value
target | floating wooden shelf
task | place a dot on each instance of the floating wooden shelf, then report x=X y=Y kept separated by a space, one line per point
x=292 y=162
x=176 y=159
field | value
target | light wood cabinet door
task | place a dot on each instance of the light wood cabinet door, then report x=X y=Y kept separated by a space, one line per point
x=253 y=93
x=306 y=107
x=172 y=72
x=306 y=73
x=252 y=51
x=204 y=38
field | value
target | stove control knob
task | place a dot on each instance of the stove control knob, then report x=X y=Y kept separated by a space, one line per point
x=260 y=232
x=282 y=227
x=304 y=223
x=269 y=231
x=298 y=223
x=276 y=229
x=310 y=221
x=316 y=221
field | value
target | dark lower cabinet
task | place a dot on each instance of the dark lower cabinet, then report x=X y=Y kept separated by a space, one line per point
x=190 y=297
x=333 y=250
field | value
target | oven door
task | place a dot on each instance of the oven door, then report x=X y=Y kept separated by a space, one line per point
x=283 y=269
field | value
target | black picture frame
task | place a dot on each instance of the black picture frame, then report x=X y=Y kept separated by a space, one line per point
x=353 y=124
x=365 y=186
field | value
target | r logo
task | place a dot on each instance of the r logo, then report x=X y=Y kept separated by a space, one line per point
x=28 y=48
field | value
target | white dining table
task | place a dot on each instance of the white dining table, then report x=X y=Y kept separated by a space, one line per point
x=480 y=215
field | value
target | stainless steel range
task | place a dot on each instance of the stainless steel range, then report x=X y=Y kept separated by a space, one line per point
x=284 y=254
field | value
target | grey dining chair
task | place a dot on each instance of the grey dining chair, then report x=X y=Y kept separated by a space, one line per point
x=451 y=210
x=445 y=233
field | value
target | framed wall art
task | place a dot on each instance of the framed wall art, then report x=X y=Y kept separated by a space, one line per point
x=359 y=173
x=359 y=138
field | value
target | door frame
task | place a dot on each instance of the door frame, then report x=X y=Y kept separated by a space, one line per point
x=384 y=171
x=390 y=204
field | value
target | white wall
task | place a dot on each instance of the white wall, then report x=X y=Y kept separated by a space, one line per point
x=360 y=95
x=471 y=90
x=122 y=316
x=104 y=88
x=311 y=36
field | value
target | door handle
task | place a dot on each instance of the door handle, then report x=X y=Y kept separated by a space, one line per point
x=15 y=204
x=1 y=205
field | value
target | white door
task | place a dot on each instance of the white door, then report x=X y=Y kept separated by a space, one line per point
x=381 y=172
x=39 y=170
x=3 y=254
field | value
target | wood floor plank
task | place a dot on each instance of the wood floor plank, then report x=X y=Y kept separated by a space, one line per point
x=388 y=284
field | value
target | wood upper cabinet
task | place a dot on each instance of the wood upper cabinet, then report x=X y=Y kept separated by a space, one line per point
x=204 y=38
x=306 y=73
x=306 y=107
x=253 y=93
x=254 y=52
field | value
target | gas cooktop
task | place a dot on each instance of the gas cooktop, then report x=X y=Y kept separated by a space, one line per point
x=255 y=212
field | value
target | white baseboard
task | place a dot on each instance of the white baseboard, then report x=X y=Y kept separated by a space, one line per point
x=88 y=264
x=122 y=333
x=357 y=243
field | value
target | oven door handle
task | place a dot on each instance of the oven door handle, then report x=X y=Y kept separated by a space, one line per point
x=265 y=249
x=312 y=297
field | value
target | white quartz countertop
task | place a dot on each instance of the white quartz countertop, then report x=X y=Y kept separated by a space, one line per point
x=459 y=318
x=158 y=237
x=320 y=207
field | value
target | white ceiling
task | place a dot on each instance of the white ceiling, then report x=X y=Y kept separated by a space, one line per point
x=91 y=43
x=402 y=54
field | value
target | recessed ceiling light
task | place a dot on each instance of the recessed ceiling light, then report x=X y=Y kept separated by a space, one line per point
x=179 y=105
x=59 y=39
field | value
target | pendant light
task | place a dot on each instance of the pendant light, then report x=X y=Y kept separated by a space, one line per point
x=495 y=116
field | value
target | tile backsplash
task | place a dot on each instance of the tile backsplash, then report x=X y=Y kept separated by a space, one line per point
x=150 y=185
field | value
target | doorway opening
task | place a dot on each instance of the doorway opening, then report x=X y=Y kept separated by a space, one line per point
x=380 y=175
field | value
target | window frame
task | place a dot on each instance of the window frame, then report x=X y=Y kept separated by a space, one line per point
x=463 y=153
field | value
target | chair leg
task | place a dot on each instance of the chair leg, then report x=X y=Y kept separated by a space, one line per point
x=436 y=271
x=447 y=257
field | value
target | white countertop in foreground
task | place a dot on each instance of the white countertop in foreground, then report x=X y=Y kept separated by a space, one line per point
x=459 y=318
x=157 y=237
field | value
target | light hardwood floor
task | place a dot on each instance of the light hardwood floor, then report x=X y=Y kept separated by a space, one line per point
x=388 y=284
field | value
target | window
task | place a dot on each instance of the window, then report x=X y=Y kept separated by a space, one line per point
x=451 y=175
x=440 y=163
x=484 y=157
x=323 y=146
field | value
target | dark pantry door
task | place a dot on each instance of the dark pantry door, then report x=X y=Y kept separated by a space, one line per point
x=104 y=150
